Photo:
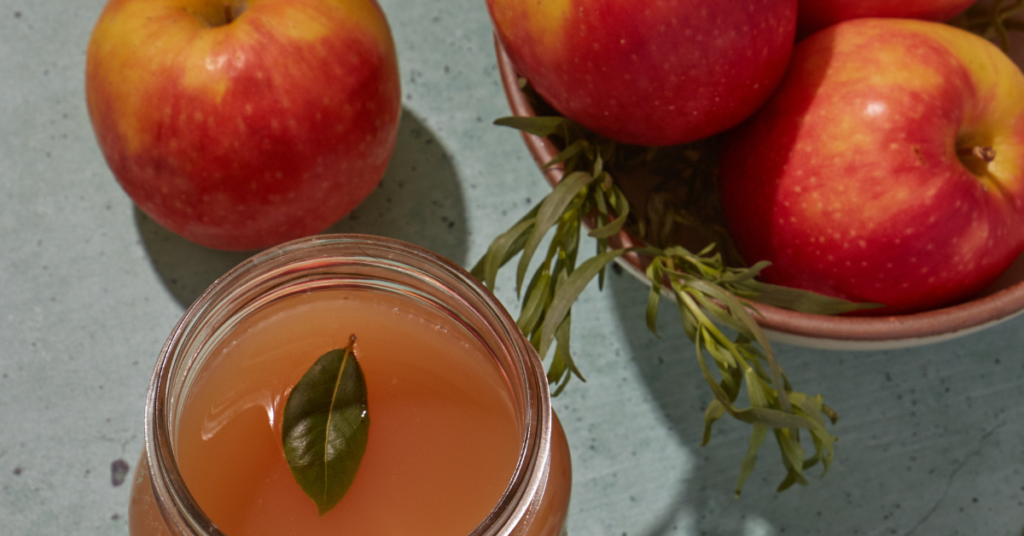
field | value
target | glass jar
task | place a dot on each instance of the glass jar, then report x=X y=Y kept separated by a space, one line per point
x=536 y=497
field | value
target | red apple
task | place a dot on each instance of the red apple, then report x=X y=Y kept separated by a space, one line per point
x=649 y=73
x=240 y=124
x=887 y=168
x=817 y=14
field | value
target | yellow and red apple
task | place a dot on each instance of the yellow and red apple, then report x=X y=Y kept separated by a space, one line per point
x=887 y=168
x=240 y=124
x=817 y=14
x=649 y=73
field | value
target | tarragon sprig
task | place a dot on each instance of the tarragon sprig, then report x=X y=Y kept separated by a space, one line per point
x=707 y=291
x=546 y=313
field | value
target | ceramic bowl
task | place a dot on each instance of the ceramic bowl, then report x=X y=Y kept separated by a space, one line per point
x=1001 y=302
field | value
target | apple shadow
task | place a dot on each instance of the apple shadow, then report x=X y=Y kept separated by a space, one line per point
x=185 y=268
x=419 y=200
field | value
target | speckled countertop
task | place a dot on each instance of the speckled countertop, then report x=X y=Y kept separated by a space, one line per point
x=931 y=438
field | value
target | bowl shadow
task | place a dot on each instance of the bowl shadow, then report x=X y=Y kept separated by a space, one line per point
x=419 y=200
x=910 y=419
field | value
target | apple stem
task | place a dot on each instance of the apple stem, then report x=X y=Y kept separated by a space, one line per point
x=228 y=14
x=984 y=154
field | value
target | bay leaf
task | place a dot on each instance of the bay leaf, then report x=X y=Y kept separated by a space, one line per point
x=326 y=426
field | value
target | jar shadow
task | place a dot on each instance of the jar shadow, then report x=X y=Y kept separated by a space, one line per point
x=419 y=200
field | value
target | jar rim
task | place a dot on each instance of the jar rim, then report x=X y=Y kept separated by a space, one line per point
x=177 y=506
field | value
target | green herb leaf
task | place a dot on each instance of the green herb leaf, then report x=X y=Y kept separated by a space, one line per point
x=538 y=126
x=757 y=436
x=612 y=227
x=572 y=150
x=535 y=304
x=803 y=300
x=567 y=293
x=562 y=354
x=504 y=248
x=551 y=209
x=326 y=426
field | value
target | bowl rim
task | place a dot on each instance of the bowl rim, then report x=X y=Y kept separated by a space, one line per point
x=936 y=324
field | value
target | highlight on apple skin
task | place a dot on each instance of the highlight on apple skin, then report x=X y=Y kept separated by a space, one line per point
x=650 y=73
x=246 y=124
x=887 y=168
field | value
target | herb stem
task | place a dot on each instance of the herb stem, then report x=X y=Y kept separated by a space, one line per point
x=706 y=291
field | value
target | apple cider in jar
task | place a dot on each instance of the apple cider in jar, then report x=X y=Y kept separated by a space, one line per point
x=461 y=438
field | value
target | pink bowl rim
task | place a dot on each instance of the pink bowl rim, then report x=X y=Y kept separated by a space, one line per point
x=964 y=317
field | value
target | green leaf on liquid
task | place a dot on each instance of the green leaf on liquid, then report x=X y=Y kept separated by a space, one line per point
x=326 y=426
